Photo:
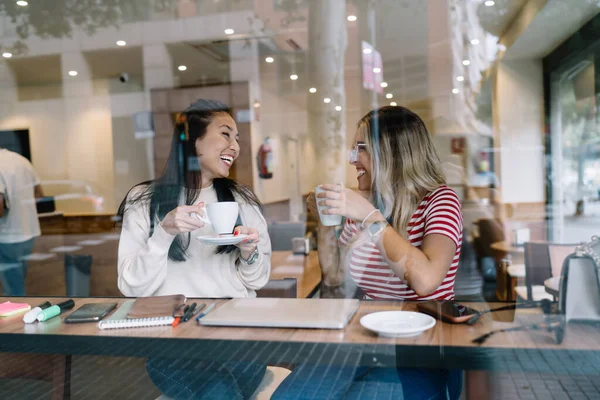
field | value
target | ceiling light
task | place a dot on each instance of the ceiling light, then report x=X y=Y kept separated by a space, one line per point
x=455 y=91
x=367 y=51
x=121 y=43
x=73 y=73
x=7 y=55
x=490 y=3
x=475 y=41
x=377 y=70
x=294 y=77
x=256 y=104
x=338 y=108
x=229 y=31
x=466 y=62
x=182 y=68
x=312 y=90
x=327 y=100
x=393 y=103
x=389 y=96
x=269 y=60
x=460 y=78
x=383 y=84
x=22 y=3
x=352 y=18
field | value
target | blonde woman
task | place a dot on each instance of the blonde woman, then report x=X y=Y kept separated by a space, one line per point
x=400 y=242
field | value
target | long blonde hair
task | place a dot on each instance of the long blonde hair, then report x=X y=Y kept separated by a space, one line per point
x=404 y=163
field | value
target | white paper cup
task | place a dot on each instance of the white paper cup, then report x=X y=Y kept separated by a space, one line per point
x=326 y=220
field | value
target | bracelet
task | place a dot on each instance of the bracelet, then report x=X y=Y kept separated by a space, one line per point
x=362 y=224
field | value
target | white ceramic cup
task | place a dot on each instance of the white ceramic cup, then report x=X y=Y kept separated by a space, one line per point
x=326 y=220
x=222 y=216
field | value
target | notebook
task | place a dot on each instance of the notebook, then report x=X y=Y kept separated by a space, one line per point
x=283 y=313
x=7 y=308
x=119 y=319
x=157 y=306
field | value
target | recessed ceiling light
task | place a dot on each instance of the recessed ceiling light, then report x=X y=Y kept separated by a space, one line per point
x=389 y=96
x=466 y=62
x=393 y=103
x=338 y=108
x=352 y=18
x=490 y=3
x=121 y=43
x=475 y=41
x=383 y=84
x=455 y=91
x=269 y=60
x=22 y=3
x=327 y=100
x=377 y=70
x=367 y=51
x=182 y=68
x=256 y=104
x=229 y=31
x=460 y=78
x=294 y=77
x=7 y=55
x=312 y=90
x=73 y=73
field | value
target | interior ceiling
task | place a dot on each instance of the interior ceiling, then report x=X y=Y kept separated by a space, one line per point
x=498 y=18
x=110 y=63
x=28 y=72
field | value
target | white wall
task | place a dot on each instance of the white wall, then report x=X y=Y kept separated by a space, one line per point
x=518 y=115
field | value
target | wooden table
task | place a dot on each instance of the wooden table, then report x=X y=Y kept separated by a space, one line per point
x=305 y=269
x=444 y=346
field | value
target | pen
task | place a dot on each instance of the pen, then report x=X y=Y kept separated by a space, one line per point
x=177 y=320
x=203 y=313
x=31 y=316
x=188 y=314
x=55 y=310
x=200 y=308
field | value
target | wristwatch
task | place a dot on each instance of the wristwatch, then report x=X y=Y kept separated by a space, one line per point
x=251 y=258
x=376 y=228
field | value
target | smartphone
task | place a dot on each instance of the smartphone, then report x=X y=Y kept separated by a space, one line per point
x=90 y=312
x=447 y=311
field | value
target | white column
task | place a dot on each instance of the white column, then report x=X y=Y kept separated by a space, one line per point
x=327 y=41
x=158 y=74
x=518 y=115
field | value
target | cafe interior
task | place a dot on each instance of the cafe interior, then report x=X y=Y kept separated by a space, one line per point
x=92 y=91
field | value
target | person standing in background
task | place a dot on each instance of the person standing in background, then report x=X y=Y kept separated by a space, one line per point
x=19 y=223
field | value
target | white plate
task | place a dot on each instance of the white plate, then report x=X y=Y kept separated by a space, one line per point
x=221 y=239
x=397 y=323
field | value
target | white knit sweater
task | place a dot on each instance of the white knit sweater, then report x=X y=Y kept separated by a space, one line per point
x=145 y=269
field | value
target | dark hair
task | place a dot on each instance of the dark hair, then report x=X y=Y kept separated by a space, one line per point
x=183 y=172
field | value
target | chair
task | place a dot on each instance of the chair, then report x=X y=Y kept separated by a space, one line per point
x=282 y=233
x=53 y=368
x=537 y=270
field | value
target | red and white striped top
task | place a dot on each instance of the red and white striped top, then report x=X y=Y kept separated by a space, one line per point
x=438 y=213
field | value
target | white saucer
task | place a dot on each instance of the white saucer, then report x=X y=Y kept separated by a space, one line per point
x=221 y=239
x=398 y=323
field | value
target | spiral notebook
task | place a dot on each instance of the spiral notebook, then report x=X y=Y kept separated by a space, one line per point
x=119 y=319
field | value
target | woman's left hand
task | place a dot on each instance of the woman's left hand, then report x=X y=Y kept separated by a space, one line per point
x=345 y=202
x=248 y=245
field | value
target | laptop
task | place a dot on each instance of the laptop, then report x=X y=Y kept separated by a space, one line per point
x=283 y=313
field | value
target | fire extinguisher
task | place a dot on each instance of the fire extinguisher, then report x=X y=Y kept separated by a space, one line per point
x=265 y=160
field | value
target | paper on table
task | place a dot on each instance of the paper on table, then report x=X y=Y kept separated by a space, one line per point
x=65 y=249
x=289 y=269
x=90 y=242
x=38 y=256
x=295 y=257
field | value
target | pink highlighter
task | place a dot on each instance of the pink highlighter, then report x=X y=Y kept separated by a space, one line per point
x=7 y=308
